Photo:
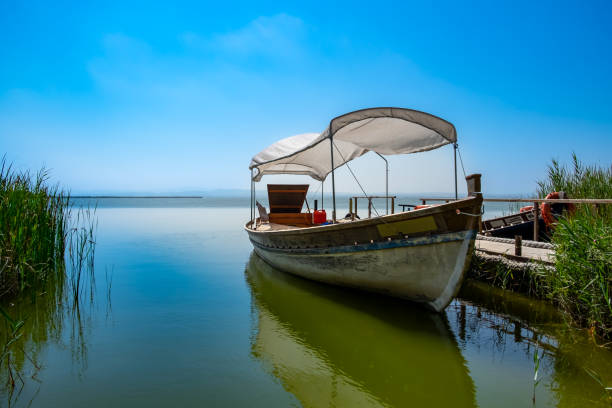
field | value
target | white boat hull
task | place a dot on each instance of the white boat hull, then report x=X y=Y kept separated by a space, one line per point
x=428 y=269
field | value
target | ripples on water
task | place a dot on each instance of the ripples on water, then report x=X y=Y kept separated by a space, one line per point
x=196 y=319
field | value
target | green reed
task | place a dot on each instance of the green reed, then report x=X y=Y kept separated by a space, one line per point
x=578 y=181
x=47 y=253
x=81 y=254
x=536 y=371
x=582 y=280
x=32 y=229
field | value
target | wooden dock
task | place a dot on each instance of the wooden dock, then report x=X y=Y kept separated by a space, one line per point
x=530 y=251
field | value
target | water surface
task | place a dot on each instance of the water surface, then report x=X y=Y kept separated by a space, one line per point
x=195 y=319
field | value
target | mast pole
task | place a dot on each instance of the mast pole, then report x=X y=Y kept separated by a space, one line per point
x=331 y=145
x=455 y=151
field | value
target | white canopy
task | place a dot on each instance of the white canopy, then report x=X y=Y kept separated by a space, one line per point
x=382 y=130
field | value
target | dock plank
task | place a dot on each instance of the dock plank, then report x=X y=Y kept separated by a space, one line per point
x=507 y=249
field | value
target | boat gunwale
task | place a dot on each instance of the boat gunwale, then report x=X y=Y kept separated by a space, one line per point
x=441 y=238
x=437 y=209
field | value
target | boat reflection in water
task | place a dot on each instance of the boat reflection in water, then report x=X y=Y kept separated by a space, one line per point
x=335 y=347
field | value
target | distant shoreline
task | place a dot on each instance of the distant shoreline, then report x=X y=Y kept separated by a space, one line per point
x=113 y=196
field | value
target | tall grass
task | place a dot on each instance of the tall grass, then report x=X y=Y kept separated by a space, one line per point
x=47 y=252
x=32 y=229
x=582 y=281
x=81 y=254
x=578 y=181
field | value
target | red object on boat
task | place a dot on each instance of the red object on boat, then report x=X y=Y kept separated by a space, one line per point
x=526 y=208
x=418 y=207
x=319 y=217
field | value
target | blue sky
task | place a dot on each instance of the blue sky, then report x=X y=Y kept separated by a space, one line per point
x=169 y=97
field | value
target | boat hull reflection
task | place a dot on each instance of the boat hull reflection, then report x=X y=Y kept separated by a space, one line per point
x=330 y=346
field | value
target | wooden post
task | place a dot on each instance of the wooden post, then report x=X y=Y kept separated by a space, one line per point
x=473 y=184
x=536 y=221
x=518 y=245
x=355 y=206
x=369 y=207
x=392 y=205
x=474 y=189
x=351 y=209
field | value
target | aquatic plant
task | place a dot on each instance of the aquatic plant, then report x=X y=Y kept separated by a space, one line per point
x=37 y=224
x=582 y=280
x=536 y=371
x=81 y=254
x=47 y=252
x=578 y=181
x=32 y=229
x=595 y=376
x=13 y=330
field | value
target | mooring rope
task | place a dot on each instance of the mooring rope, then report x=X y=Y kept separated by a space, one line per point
x=461 y=160
x=458 y=212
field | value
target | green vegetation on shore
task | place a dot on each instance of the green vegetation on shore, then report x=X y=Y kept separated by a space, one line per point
x=32 y=230
x=582 y=280
x=46 y=265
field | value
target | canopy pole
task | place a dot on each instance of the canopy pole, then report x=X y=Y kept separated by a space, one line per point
x=322 y=195
x=331 y=146
x=254 y=204
x=455 y=151
x=386 y=181
x=252 y=198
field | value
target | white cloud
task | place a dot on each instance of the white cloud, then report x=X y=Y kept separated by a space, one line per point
x=278 y=36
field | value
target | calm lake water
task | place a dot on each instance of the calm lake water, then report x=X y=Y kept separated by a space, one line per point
x=194 y=318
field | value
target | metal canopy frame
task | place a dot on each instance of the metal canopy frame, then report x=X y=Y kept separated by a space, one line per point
x=331 y=144
x=253 y=197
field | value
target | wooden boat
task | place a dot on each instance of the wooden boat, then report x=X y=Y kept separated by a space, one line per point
x=522 y=223
x=509 y=226
x=419 y=255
